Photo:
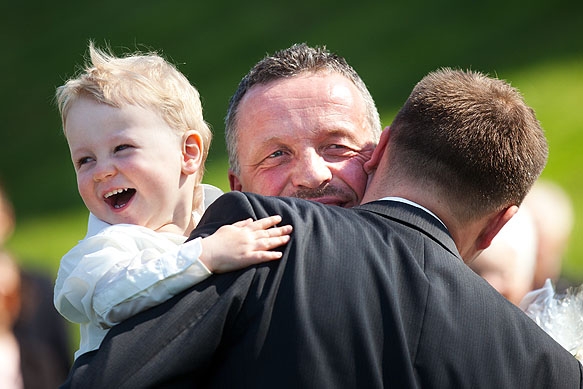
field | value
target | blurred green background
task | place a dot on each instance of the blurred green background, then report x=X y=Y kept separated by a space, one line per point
x=536 y=45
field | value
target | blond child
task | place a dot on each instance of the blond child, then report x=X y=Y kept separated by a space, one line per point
x=138 y=143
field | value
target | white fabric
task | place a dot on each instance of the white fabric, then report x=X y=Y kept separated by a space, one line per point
x=119 y=270
x=561 y=316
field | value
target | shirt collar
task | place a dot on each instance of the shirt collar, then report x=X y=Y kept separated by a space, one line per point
x=414 y=204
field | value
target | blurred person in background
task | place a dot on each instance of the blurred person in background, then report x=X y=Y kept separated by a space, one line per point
x=555 y=303
x=34 y=350
x=554 y=217
x=528 y=252
x=508 y=264
x=10 y=373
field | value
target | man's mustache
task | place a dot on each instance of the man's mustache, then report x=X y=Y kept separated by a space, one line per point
x=325 y=191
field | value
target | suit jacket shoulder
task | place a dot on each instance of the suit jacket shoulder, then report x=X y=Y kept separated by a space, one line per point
x=374 y=296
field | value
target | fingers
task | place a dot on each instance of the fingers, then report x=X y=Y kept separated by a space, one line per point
x=263 y=253
x=243 y=223
x=245 y=243
x=261 y=236
x=265 y=256
x=275 y=231
x=263 y=227
x=265 y=223
x=279 y=238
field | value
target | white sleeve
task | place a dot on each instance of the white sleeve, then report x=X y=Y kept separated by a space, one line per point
x=122 y=270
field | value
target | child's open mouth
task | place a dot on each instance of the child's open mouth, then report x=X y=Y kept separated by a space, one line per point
x=119 y=198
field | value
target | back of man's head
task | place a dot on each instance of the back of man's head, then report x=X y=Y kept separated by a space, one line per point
x=471 y=139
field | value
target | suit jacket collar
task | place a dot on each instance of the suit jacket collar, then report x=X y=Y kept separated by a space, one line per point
x=416 y=218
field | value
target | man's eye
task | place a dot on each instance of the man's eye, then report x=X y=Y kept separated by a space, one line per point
x=278 y=153
x=338 y=148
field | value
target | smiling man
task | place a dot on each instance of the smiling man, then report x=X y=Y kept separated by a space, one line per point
x=302 y=124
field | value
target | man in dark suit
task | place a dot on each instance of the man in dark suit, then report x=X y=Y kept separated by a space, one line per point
x=373 y=296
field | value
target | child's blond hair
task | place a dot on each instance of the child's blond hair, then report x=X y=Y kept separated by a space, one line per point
x=145 y=80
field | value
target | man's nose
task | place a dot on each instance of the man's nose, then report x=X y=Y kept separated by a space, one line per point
x=311 y=171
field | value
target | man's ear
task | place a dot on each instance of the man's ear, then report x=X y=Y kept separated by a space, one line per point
x=234 y=182
x=495 y=225
x=191 y=152
x=371 y=165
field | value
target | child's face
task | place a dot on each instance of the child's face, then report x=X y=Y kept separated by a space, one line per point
x=129 y=164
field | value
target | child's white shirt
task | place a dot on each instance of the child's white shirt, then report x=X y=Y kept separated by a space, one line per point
x=119 y=270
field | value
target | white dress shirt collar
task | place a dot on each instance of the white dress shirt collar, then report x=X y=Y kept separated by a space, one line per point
x=414 y=204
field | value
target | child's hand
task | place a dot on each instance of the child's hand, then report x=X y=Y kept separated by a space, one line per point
x=245 y=243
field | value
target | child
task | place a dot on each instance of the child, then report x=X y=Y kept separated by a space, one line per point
x=138 y=142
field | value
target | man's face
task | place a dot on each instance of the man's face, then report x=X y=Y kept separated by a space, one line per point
x=304 y=137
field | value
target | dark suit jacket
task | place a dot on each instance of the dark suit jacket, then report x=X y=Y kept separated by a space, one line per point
x=374 y=296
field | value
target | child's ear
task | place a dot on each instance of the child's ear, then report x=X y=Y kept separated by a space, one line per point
x=191 y=152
